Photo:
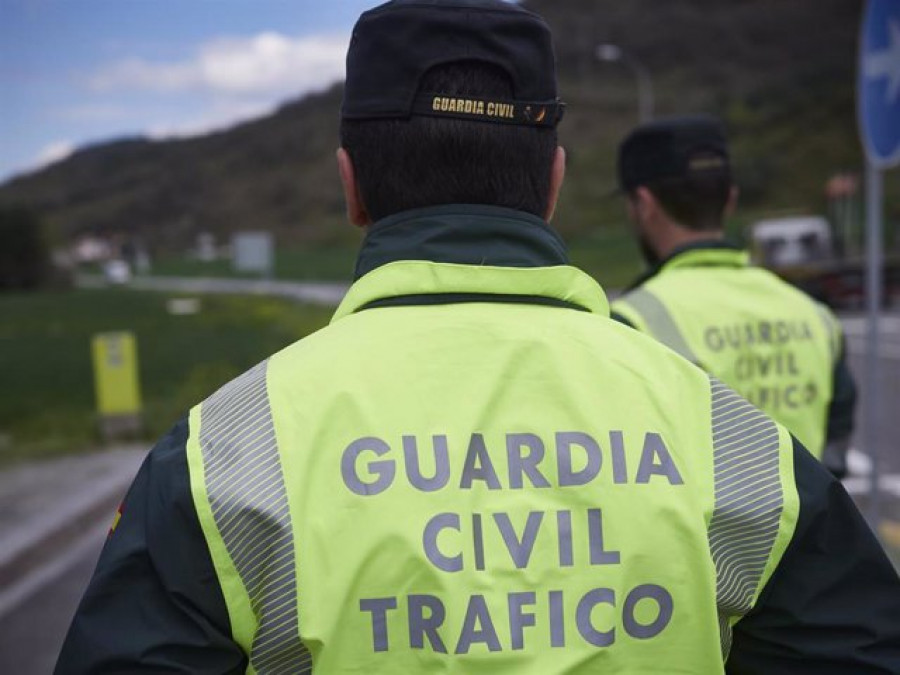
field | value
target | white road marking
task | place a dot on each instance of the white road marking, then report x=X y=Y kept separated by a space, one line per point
x=858 y=463
x=884 y=351
x=14 y=595
x=856 y=330
x=857 y=485
x=859 y=325
x=860 y=479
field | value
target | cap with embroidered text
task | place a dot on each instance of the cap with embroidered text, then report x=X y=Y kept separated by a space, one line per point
x=673 y=147
x=396 y=44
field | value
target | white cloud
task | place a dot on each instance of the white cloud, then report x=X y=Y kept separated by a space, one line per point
x=268 y=63
x=222 y=82
x=54 y=152
x=94 y=113
x=223 y=113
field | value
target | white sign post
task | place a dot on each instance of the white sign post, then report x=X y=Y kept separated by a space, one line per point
x=878 y=98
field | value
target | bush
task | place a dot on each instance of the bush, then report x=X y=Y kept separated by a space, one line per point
x=24 y=259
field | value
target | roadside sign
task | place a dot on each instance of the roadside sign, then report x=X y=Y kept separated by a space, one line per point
x=116 y=374
x=878 y=86
x=253 y=252
x=878 y=102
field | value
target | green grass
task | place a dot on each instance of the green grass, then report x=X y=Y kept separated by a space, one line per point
x=320 y=264
x=47 y=398
x=609 y=253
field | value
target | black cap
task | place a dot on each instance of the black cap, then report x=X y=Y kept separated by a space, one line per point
x=395 y=44
x=671 y=148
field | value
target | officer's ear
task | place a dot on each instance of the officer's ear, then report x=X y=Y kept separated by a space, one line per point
x=646 y=207
x=557 y=174
x=356 y=210
x=731 y=204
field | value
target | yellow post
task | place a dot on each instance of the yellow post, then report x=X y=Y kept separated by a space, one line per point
x=116 y=382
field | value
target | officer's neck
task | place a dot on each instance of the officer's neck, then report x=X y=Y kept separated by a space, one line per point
x=671 y=236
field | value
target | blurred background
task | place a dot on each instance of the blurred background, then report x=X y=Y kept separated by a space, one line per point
x=170 y=214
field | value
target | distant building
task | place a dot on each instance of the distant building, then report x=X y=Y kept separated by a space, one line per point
x=91 y=249
x=205 y=249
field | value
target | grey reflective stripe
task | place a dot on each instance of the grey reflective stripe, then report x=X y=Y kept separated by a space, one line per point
x=247 y=495
x=748 y=502
x=725 y=635
x=659 y=322
x=832 y=329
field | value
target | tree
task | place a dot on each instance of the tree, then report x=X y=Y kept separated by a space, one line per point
x=24 y=258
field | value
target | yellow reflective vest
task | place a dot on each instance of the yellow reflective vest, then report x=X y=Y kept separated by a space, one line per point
x=764 y=338
x=511 y=486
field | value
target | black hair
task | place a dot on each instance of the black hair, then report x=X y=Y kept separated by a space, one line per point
x=429 y=161
x=697 y=201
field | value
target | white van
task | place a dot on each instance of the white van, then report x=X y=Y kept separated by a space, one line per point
x=796 y=240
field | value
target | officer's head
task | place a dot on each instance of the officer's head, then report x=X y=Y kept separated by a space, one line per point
x=676 y=174
x=449 y=101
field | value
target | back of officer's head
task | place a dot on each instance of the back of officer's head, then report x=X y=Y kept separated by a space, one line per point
x=684 y=163
x=450 y=102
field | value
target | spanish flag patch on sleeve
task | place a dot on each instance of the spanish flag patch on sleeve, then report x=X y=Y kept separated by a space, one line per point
x=116 y=519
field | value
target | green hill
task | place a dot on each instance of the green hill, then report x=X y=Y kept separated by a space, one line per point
x=276 y=172
x=780 y=72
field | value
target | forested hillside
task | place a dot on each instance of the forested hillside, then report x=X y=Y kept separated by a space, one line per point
x=780 y=72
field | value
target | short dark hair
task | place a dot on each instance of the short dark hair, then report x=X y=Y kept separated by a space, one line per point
x=429 y=161
x=696 y=201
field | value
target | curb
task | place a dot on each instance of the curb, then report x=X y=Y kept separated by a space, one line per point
x=323 y=293
x=42 y=539
x=22 y=557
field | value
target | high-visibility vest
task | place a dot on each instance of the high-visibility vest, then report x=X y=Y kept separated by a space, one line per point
x=496 y=487
x=762 y=337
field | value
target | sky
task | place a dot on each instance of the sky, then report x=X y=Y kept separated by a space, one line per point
x=77 y=72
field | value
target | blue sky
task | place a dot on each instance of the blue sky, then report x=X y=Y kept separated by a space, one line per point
x=74 y=72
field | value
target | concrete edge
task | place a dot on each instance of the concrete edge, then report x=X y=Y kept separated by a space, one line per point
x=61 y=528
x=11 y=597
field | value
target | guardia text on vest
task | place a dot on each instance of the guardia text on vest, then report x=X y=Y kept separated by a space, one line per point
x=454 y=542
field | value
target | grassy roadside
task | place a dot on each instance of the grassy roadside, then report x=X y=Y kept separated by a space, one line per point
x=608 y=253
x=319 y=264
x=47 y=398
x=603 y=246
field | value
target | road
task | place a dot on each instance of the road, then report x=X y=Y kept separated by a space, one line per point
x=888 y=400
x=30 y=636
x=324 y=293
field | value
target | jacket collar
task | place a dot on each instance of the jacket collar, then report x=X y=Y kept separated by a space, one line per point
x=464 y=234
x=709 y=253
x=468 y=250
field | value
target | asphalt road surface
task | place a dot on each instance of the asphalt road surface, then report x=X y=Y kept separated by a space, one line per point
x=31 y=634
x=886 y=437
x=324 y=293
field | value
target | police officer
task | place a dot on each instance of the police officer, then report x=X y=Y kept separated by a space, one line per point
x=774 y=345
x=472 y=468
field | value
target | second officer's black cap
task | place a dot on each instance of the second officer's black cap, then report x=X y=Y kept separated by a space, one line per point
x=673 y=147
x=395 y=44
